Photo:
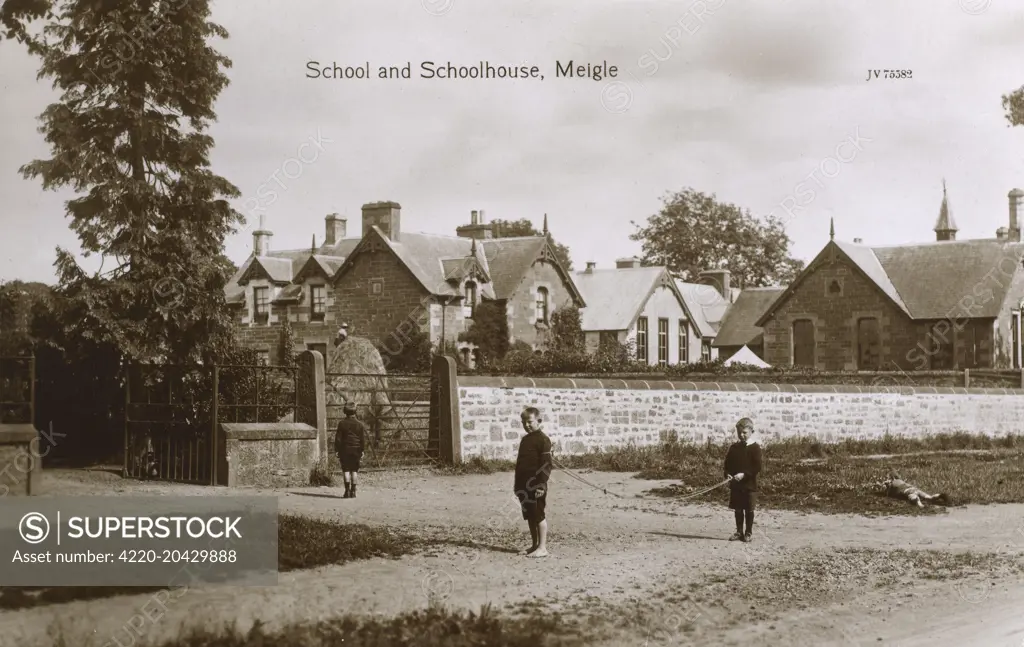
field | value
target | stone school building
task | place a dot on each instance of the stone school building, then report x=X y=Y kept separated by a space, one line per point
x=947 y=304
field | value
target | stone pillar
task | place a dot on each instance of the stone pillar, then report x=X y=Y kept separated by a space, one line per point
x=444 y=410
x=311 y=401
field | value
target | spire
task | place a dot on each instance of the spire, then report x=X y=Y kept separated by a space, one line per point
x=945 y=226
x=831 y=228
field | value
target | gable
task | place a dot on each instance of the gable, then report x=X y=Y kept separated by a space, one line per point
x=276 y=270
x=616 y=298
x=830 y=255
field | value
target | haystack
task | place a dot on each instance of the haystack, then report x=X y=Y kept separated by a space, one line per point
x=365 y=384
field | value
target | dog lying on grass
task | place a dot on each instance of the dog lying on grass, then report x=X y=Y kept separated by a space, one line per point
x=897 y=488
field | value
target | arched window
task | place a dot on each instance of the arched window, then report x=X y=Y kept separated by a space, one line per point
x=542 y=305
x=470 y=301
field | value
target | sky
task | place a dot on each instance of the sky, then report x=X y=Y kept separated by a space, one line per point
x=766 y=104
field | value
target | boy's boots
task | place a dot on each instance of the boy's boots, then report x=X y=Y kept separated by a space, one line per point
x=353 y=491
x=348 y=491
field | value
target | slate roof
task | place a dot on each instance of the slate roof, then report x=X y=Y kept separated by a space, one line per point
x=615 y=297
x=706 y=304
x=430 y=258
x=929 y=280
x=739 y=325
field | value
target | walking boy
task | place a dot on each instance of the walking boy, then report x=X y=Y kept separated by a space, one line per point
x=349 y=443
x=533 y=466
x=742 y=464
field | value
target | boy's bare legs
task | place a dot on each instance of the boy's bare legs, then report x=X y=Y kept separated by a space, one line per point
x=542 y=544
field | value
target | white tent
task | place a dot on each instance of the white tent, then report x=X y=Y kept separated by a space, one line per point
x=746 y=356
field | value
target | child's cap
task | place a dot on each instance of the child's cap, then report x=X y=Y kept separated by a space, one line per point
x=350 y=407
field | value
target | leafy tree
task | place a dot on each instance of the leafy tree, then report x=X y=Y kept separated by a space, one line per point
x=489 y=331
x=137 y=82
x=694 y=232
x=523 y=227
x=567 y=330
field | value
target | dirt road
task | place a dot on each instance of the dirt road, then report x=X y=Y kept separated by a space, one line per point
x=662 y=571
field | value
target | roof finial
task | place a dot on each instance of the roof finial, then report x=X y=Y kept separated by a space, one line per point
x=831 y=228
x=545 y=224
x=312 y=246
x=263 y=221
x=472 y=248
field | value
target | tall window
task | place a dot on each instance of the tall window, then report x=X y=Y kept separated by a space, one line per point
x=803 y=343
x=261 y=301
x=968 y=346
x=641 y=339
x=684 y=342
x=318 y=299
x=663 y=342
x=542 y=305
x=940 y=344
x=607 y=340
x=869 y=345
x=705 y=351
x=470 y=302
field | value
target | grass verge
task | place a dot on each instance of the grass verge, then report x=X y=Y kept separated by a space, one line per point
x=303 y=543
x=807 y=475
x=435 y=627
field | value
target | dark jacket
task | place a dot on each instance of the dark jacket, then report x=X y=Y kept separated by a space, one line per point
x=351 y=437
x=746 y=459
x=533 y=465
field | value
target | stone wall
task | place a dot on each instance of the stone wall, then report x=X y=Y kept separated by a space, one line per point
x=584 y=415
x=269 y=454
x=20 y=460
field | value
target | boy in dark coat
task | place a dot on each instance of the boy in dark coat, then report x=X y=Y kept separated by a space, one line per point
x=742 y=465
x=533 y=465
x=349 y=443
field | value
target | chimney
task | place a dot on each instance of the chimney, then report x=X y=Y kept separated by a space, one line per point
x=858 y=241
x=476 y=228
x=1001 y=233
x=1016 y=202
x=629 y=262
x=590 y=267
x=261 y=238
x=387 y=216
x=336 y=229
x=719 y=279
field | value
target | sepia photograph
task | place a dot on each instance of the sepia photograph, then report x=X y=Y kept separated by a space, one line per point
x=309 y=309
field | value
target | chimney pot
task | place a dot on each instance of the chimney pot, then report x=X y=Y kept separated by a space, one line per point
x=1001 y=233
x=720 y=279
x=858 y=241
x=629 y=262
x=590 y=266
x=474 y=217
x=1016 y=206
x=387 y=216
x=482 y=221
x=335 y=228
x=261 y=239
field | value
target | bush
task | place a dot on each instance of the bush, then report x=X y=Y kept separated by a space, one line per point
x=489 y=331
x=321 y=475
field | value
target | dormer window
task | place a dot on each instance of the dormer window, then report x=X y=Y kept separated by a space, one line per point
x=318 y=302
x=542 y=305
x=261 y=303
x=470 y=302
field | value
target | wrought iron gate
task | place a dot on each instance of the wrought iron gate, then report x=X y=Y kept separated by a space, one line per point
x=172 y=415
x=397 y=410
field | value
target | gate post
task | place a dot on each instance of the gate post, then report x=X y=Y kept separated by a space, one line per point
x=214 y=441
x=310 y=396
x=444 y=400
